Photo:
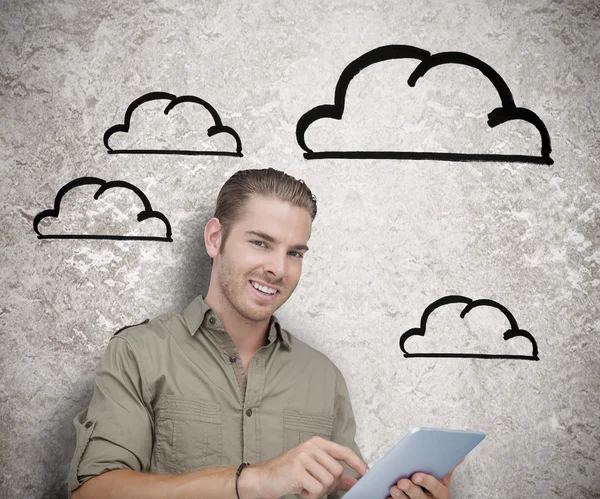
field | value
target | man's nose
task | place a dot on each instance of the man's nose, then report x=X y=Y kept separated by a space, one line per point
x=275 y=265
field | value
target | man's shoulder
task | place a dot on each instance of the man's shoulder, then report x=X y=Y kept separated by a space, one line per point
x=144 y=322
x=150 y=331
x=304 y=353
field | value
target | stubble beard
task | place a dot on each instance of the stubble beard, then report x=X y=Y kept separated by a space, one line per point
x=236 y=295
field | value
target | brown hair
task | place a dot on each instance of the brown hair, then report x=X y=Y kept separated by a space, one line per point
x=267 y=183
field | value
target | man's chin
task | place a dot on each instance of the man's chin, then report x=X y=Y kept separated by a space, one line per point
x=256 y=317
x=261 y=312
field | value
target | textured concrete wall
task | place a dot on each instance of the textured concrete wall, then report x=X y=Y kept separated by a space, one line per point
x=391 y=236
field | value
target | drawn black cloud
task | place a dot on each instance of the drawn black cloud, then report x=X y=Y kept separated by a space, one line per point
x=507 y=112
x=217 y=128
x=104 y=186
x=512 y=332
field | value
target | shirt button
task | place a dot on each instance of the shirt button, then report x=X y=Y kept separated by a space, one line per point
x=232 y=359
x=212 y=320
x=88 y=424
x=248 y=412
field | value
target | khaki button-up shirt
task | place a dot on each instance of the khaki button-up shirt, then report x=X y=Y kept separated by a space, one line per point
x=171 y=396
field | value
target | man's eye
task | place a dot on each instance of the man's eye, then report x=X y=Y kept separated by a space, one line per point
x=296 y=254
x=259 y=244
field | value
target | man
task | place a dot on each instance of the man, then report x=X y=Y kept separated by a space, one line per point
x=181 y=401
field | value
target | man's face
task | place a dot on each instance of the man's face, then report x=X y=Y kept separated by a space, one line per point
x=264 y=249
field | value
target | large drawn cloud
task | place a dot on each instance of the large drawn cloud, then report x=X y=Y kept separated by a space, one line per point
x=104 y=186
x=173 y=101
x=508 y=111
x=513 y=332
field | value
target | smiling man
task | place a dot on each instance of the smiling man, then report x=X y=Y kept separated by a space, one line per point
x=220 y=401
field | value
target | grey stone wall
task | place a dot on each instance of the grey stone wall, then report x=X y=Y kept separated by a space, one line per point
x=391 y=236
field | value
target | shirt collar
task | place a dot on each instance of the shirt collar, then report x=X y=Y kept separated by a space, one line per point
x=198 y=313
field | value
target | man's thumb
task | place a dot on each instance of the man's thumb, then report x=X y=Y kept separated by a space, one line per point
x=346 y=482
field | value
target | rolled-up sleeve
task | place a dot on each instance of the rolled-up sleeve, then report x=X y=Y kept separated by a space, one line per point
x=344 y=427
x=115 y=431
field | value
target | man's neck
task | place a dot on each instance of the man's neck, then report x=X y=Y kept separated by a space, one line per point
x=248 y=336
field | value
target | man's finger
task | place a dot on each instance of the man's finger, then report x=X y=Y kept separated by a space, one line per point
x=405 y=488
x=320 y=473
x=328 y=462
x=342 y=453
x=436 y=488
x=346 y=482
x=396 y=493
x=448 y=477
x=312 y=486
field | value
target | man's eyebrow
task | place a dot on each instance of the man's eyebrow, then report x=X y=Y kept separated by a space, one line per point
x=271 y=239
x=262 y=235
x=300 y=247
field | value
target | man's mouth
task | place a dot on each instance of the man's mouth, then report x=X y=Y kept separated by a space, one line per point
x=263 y=289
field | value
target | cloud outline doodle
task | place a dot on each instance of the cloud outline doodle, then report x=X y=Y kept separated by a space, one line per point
x=508 y=111
x=104 y=185
x=513 y=332
x=215 y=129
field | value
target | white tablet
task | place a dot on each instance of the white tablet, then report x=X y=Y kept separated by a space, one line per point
x=433 y=451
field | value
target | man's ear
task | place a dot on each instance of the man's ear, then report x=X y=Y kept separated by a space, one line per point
x=212 y=237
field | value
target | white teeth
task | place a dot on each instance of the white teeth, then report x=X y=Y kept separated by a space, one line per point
x=264 y=289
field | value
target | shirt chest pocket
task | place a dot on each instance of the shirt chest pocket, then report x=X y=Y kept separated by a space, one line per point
x=188 y=434
x=301 y=426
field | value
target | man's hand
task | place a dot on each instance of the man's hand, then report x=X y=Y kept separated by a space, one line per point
x=422 y=486
x=311 y=469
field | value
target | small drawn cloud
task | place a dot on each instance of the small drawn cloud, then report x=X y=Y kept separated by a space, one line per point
x=513 y=332
x=508 y=111
x=171 y=148
x=146 y=214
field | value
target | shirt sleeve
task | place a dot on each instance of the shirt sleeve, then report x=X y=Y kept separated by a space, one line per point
x=115 y=431
x=344 y=427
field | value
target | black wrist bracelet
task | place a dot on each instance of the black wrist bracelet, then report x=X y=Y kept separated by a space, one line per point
x=237 y=476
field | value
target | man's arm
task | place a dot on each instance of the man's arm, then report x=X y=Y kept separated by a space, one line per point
x=115 y=431
x=212 y=483
x=311 y=469
x=344 y=426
